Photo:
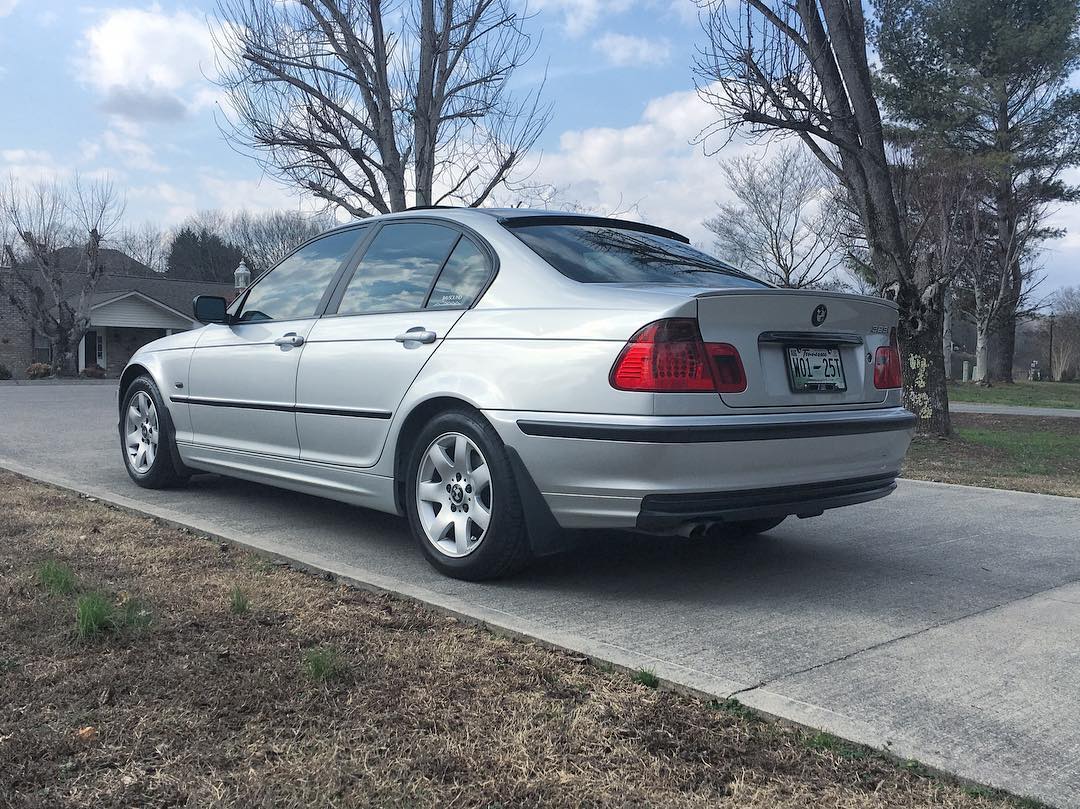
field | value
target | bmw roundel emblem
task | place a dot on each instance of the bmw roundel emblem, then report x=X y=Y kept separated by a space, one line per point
x=820 y=313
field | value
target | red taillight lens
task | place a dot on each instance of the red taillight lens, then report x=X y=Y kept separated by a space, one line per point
x=670 y=356
x=887 y=365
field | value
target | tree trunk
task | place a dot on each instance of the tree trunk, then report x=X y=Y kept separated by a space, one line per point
x=982 y=352
x=1004 y=354
x=65 y=359
x=925 y=392
x=946 y=335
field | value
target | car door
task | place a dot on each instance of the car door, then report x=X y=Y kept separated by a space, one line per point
x=387 y=318
x=242 y=378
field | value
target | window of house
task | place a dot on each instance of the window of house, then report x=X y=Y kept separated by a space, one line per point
x=295 y=287
x=41 y=351
x=398 y=268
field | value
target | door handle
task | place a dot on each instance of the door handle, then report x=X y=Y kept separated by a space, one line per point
x=417 y=334
x=291 y=339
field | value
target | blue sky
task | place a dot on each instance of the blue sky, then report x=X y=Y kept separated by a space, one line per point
x=122 y=89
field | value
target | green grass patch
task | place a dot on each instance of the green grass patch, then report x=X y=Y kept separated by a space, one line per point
x=323 y=663
x=1029 y=452
x=7 y=665
x=735 y=708
x=1019 y=394
x=93 y=615
x=838 y=747
x=96 y=615
x=56 y=578
x=238 y=602
x=646 y=678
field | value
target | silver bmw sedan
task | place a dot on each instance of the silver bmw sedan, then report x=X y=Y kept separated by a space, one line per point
x=499 y=376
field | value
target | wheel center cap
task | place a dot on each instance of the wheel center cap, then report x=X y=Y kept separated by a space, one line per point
x=457 y=494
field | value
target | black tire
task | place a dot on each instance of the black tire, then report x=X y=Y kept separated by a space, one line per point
x=165 y=470
x=504 y=548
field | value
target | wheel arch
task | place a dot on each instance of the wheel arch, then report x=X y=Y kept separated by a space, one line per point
x=130 y=374
x=543 y=531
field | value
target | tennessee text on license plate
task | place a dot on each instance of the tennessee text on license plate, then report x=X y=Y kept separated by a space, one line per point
x=815 y=369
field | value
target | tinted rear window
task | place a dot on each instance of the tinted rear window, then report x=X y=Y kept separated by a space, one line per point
x=599 y=254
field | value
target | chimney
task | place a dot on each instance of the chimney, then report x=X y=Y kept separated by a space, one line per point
x=242 y=276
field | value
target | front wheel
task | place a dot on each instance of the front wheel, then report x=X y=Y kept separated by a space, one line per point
x=146 y=437
x=462 y=501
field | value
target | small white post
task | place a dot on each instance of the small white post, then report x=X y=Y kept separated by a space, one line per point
x=967 y=370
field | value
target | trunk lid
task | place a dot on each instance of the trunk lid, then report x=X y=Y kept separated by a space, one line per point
x=822 y=326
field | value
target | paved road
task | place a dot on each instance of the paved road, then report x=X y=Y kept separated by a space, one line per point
x=941 y=622
x=1014 y=410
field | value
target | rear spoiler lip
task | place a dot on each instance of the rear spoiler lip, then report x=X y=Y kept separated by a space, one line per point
x=805 y=293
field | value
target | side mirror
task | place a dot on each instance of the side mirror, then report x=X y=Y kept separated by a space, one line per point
x=210 y=309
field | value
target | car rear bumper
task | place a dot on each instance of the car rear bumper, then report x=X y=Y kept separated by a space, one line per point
x=657 y=473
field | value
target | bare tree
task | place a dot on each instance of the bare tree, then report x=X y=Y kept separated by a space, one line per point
x=784 y=225
x=47 y=216
x=1065 y=348
x=266 y=238
x=148 y=244
x=365 y=103
x=801 y=68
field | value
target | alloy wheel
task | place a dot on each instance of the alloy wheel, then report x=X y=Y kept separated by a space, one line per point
x=454 y=495
x=141 y=432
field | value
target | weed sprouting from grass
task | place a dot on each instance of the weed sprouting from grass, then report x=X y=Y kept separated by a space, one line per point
x=646 y=678
x=735 y=708
x=238 y=602
x=56 y=578
x=323 y=663
x=93 y=615
x=7 y=665
x=134 y=614
x=837 y=746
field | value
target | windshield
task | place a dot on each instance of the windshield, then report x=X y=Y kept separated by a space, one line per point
x=600 y=254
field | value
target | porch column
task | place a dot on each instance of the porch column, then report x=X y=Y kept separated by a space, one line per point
x=82 y=354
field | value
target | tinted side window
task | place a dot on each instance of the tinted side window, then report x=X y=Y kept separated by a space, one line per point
x=462 y=277
x=397 y=269
x=294 y=288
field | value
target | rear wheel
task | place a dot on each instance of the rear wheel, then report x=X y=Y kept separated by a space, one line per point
x=462 y=501
x=146 y=437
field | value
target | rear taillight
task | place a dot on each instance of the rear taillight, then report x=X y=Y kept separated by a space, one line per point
x=887 y=365
x=669 y=356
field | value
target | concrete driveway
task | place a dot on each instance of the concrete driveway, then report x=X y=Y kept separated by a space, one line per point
x=942 y=622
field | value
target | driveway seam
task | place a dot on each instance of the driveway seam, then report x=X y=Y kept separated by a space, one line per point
x=882 y=644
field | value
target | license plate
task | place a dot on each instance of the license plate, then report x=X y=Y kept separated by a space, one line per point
x=814 y=370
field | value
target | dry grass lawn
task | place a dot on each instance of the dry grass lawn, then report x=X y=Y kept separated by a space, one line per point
x=220 y=679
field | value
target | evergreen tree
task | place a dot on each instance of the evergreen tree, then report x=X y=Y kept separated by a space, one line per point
x=989 y=79
x=198 y=254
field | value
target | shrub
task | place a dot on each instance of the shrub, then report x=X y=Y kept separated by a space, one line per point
x=93 y=372
x=323 y=663
x=56 y=578
x=5 y=372
x=38 y=370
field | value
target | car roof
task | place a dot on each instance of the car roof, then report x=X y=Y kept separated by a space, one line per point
x=517 y=217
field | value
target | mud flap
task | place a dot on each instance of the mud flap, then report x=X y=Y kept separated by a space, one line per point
x=546 y=536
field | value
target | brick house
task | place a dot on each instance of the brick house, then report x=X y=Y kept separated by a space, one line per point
x=130 y=306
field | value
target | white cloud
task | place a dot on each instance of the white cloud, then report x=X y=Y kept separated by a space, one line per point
x=147 y=64
x=7 y=6
x=652 y=163
x=124 y=139
x=623 y=50
x=579 y=16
